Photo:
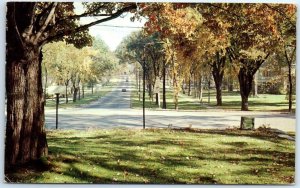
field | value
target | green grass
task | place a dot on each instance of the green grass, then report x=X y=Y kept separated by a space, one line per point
x=163 y=156
x=88 y=98
x=231 y=101
x=185 y=102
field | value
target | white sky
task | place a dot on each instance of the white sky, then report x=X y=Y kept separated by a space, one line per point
x=112 y=36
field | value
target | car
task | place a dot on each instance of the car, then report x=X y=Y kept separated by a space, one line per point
x=123 y=90
x=126 y=79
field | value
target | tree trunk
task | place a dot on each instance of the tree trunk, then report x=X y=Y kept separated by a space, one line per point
x=290 y=87
x=150 y=91
x=92 y=88
x=189 y=88
x=79 y=96
x=25 y=137
x=176 y=88
x=255 y=85
x=136 y=75
x=195 y=86
x=218 y=73
x=164 y=105
x=25 y=134
x=182 y=87
x=82 y=91
x=245 y=104
x=208 y=100
x=230 y=84
x=219 y=92
x=200 y=88
x=245 y=81
x=218 y=84
x=75 y=91
x=67 y=99
x=46 y=80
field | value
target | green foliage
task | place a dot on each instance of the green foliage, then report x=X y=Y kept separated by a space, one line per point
x=104 y=61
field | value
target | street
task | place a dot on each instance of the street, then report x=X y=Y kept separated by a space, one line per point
x=113 y=111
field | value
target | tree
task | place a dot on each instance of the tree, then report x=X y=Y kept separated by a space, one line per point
x=253 y=36
x=103 y=61
x=286 y=25
x=176 y=24
x=148 y=52
x=30 y=25
x=58 y=61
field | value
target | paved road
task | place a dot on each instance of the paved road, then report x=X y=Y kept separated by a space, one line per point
x=113 y=111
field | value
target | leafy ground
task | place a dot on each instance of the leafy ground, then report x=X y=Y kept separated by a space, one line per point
x=88 y=98
x=163 y=156
x=231 y=101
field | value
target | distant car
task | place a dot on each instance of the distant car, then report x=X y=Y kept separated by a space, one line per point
x=123 y=90
x=126 y=79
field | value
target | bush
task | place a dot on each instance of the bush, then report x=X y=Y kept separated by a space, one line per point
x=271 y=87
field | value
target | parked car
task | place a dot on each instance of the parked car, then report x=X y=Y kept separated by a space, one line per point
x=123 y=90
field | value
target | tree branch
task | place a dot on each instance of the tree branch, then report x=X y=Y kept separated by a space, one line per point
x=282 y=14
x=86 y=26
x=50 y=16
x=16 y=26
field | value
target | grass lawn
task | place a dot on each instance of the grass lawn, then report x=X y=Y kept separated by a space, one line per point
x=264 y=102
x=163 y=156
x=185 y=103
x=88 y=98
x=231 y=101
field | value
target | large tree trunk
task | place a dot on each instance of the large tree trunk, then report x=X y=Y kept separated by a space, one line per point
x=25 y=134
x=25 y=138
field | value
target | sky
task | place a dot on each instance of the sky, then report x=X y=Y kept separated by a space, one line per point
x=112 y=36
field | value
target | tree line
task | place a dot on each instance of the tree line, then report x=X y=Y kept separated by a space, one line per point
x=70 y=66
x=194 y=41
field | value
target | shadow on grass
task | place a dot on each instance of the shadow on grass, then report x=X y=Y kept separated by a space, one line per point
x=121 y=153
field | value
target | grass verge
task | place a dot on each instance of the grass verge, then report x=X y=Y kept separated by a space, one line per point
x=163 y=156
x=231 y=101
x=88 y=98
